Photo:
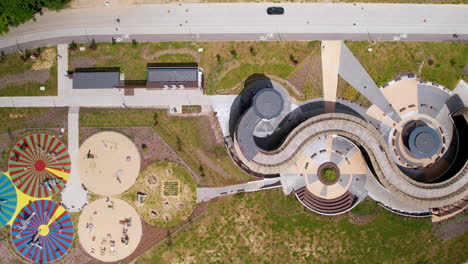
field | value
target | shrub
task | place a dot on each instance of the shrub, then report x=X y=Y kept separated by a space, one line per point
x=144 y=148
x=329 y=174
x=156 y=119
x=26 y=55
x=293 y=59
x=2 y=56
x=253 y=51
x=234 y=54
x=93 y=45
x=219 y=59
x=202 y=170
x=134 y=43
x=72 y=46
x=179 y=144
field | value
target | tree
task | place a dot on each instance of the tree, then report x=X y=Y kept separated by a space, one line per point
x=72 y=46
x=234 y=54
x=219 y=59
x=26 y=55
x=156 y=119
x=179 y=144
x=15 y=12
x=202 y=170
x=253 y=51
x=93 y=45
x=3 y=57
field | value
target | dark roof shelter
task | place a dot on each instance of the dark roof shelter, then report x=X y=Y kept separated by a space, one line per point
x=160 y=76
x=95 y=80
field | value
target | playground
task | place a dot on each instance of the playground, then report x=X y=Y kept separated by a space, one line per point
x=108 y=163
x=164 y=194
x=109 y=229
x=39 y=165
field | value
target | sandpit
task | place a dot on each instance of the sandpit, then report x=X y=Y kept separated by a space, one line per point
x=104 y=231
x=108 y=163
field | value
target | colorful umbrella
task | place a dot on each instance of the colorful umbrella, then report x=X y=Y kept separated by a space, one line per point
x=8 y=200
x=42 y=232
x=39 y=165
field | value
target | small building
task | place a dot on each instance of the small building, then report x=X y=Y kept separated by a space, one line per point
x=174 y=77
x=95 y=80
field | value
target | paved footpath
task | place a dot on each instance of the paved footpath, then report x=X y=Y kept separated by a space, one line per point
x=111 y=98
x=331 y=51
x=74 y=197
x=206 y=194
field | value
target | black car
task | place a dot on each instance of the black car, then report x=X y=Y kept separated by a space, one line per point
x=275 y=10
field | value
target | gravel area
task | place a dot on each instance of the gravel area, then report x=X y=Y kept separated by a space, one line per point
x=82 y=62
x=40 y=76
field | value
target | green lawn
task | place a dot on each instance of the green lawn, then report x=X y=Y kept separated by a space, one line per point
x=225 y=64
x=182 y=134
x=266 y=227
x=440 y=62
x=12 y=119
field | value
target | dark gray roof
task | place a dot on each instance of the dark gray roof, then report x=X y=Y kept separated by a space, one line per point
x=268 y=103
x=172 y=74
x=424 y=142
x=95 y=80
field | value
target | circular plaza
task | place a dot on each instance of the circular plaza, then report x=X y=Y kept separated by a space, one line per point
x=109 y=229
x=108 y=163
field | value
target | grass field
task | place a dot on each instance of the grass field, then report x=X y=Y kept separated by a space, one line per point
x=225 y=64
x=182 y=134
x=13 y=65
x=17 y=118
x=266 y=227
x=440 y=62
x=346 y=91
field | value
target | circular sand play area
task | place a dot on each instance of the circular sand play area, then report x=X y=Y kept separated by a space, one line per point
x=109 y=229
x=164 y=194
x=108 y=163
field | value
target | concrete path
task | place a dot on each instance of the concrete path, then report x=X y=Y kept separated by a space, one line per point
x=380 y=194
x=206 y=194
x=331 y=51
x=74 y=197
x=354 y=73
x=111 y=98
x=64 y=83
x=243 y=21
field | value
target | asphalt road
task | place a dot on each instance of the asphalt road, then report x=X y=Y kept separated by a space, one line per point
x=216 y=22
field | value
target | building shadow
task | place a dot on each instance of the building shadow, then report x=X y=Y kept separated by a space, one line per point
x=243 y=101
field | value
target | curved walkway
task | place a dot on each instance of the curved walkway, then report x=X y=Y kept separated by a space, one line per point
x=365 y=135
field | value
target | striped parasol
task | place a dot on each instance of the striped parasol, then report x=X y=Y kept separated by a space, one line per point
x=39 y=165
x=8 y=200
x=42 y=232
